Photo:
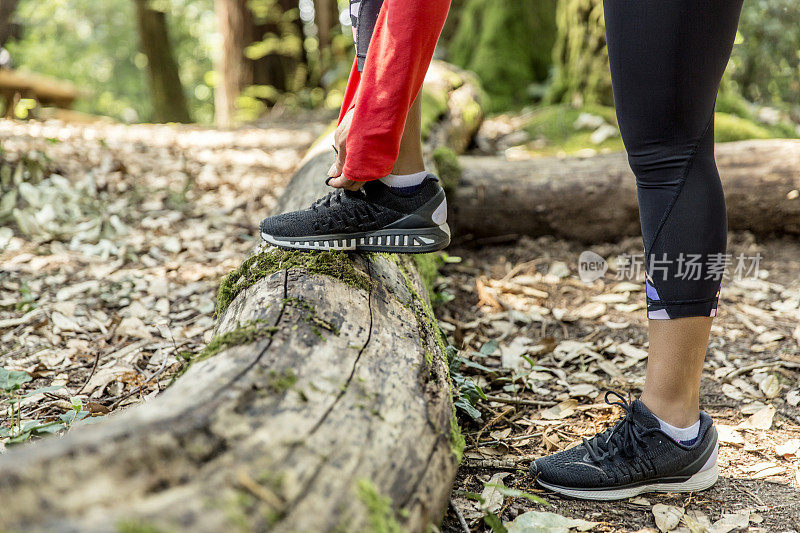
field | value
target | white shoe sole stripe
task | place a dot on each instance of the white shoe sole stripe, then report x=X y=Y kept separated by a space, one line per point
x=389 y=241
x=699 y=481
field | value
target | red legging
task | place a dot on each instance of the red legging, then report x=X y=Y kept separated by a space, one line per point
x=398 y=55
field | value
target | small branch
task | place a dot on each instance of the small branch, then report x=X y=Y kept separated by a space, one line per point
x=460 y=516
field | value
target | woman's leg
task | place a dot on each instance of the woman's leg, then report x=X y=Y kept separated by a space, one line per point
x=667 y=58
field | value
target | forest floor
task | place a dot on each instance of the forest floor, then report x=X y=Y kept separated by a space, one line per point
x=100 y=304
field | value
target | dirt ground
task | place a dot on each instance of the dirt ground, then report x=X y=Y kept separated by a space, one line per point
x=754 y=338
x=101 y=300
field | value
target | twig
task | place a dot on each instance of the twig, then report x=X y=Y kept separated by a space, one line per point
x=511 y=465
x=502 y=441
x=460 y=516
x=117 y=400
x=520 y=401
x=755 y=366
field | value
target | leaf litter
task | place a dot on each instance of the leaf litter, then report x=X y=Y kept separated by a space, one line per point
x=544 y=356
x=113 y=241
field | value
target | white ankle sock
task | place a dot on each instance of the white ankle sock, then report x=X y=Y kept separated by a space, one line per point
x=405 y=181
x=682 y=435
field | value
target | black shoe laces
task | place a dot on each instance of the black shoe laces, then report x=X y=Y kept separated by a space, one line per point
x=329 y=200
x=627 y=437
x=354 y=216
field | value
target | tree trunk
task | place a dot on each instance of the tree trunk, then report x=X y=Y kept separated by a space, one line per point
x=594 y=199
x=280 y=30
x=487 y=41
x=7 y=27
x=169 y=102
x=327 y=20
x=580 y=57
x=262 y=48
x=235 y=23
x=333 y=415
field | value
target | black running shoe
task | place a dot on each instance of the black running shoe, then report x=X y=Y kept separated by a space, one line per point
x=373 y=219
x=632 y=457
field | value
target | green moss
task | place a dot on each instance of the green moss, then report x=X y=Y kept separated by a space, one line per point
x=448 y=168
x=580 y=59
x=554 y=125
x=311 y=316
x=334 y=264
x=428 y=269
x=381 y=516
x=487 y=41
x=457 y=441
x=245 y=334
x=281 y=381
x=729 y=127
x=428 y=322
x=136 y=526
x=434 y=105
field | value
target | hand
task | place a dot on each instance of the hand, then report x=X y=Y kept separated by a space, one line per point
x=340 y=147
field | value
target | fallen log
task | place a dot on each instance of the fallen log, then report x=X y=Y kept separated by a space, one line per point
x=323 y=404
x=594 y=199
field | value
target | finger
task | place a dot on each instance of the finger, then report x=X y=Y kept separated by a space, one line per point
x=343 y=183
x=338 y=163
x=339 y=182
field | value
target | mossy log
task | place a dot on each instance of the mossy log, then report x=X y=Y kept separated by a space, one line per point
x=594 y=199
x=324 y=404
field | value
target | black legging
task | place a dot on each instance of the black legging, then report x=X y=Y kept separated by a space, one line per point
x=667 y=58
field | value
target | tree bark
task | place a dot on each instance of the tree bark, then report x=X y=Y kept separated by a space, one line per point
x=337 y=417
x=235 y=23
x=594 y=199
x=486 y=40
x=243 y=23
x=169 y=102
x=580 y=58
x=327 y=19
x=7 y=27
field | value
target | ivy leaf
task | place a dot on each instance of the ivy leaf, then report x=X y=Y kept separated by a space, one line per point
x=11 y=380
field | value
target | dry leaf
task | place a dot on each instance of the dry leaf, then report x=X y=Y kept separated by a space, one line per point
x=539 y=521
x=761 y=419
x=729 y=435
x=591 y=310
x=790 y=447
x=770 y=386
x=491 y=496
x=560 y=410
x=133 y=327
x=667 y=516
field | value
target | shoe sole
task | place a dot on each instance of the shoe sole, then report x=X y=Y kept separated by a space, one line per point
x=700 y=481
x=406 y=241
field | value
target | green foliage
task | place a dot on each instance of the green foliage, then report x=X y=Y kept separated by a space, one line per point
x=494 y=40
x=765 y=64
x=96 y=46
x=334 y=264
x=11 y=381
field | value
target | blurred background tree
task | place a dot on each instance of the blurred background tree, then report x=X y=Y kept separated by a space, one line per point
x=493 y=39
x=181 y=60
x=166 y=89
